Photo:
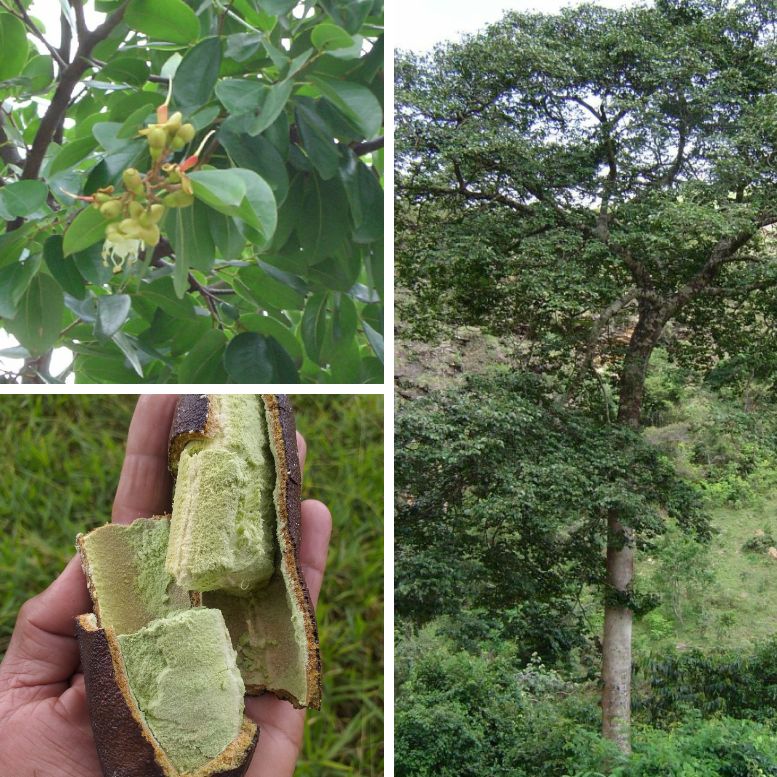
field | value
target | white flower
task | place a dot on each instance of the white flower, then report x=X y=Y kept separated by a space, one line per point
x=119 y=249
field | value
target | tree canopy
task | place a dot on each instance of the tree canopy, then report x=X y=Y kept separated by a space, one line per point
x=192 y=191
x=556 y=169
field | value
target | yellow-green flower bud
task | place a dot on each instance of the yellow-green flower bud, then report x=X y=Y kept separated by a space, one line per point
x=157 y=138
x=156 y=153
x=150 y=235
x=136 y=210
x=102 y=197
x=130 y=227
x=187 y=133
x=132 y=180
x=156 y=212
x=177 y=143
x=173 y=124
x=179 y=199
x=111 y=209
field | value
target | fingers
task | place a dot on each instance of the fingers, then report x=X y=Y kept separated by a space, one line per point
x=302 y=450
x=316 y=531
x=43 y=654
x=282 y=726
x=145 y=485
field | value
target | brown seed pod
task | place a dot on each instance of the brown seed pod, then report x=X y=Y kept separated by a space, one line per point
x=272 y=623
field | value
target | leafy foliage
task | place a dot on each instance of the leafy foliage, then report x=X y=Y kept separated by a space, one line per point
x=556 y=164
x=241 y=238
x=502 y=500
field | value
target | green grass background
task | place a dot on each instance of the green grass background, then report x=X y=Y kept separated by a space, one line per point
x=60 y=458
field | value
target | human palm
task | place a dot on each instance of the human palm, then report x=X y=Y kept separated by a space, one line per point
x=44 y=724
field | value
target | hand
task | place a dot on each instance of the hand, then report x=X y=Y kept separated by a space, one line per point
x=44 y=724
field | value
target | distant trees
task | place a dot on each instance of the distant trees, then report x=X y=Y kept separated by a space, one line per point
x=558 y=170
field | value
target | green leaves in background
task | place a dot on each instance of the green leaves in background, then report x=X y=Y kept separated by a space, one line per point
x=169 y=20
x=13 y=44
x=39 y=315
x=87 y=228
x=196 y=75
x=255 y=358
x=22 y=198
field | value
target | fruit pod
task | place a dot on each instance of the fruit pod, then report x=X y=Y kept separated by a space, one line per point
x=272 y=626
x=125 y=745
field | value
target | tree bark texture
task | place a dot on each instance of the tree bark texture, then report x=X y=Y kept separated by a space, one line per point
x=616 y=645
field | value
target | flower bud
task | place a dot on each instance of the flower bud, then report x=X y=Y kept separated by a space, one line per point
x=157 y=138
x=136 y=210
x=150 y=235
x=130 y=227
x=187 y=132
x=111 y=209
x=132 y=180
x=179 y=199
x=156 y=213
x=173 y=124
x=177 y=143
x=101 y=197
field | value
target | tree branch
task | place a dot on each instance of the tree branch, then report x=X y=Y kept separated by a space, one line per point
x=597 y=328
x=367 y=147
x=67 y=83
x=81 y=28
x=30 y=25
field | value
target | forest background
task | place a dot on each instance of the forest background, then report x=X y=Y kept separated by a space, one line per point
x=585 y=253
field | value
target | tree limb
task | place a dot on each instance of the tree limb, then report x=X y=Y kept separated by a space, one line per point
x=81 y=28
x=367 y=147
x=69 y=77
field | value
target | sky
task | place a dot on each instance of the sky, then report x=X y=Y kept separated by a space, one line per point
x=422 y=23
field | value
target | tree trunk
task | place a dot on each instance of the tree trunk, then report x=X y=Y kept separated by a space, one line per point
x=616 y=646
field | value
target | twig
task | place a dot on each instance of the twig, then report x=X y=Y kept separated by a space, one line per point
x=81 y=28
x=30 y=25
x=368 y=146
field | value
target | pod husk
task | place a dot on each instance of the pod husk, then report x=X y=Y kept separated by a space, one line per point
x=125 y=746
x=195 y=419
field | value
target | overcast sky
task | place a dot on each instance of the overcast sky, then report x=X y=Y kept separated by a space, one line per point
x=422 y=23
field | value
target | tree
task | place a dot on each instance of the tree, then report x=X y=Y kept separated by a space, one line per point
x=557 y=172
x=192 y=191
x=501 y=506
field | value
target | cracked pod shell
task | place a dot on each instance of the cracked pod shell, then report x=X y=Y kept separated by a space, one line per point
x=125 y=745
x=273 y=628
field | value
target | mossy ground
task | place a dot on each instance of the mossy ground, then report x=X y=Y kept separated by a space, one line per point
x=60 y=458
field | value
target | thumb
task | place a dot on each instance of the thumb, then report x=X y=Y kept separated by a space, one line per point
x=43 y=649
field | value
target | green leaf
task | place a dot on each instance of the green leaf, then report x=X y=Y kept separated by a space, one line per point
x=356 y=102
x=254 y=358
x=188 y=231
x=266 y=325
x=40 y=72
x=223 y=190
x=86 y=229
x=258 y=209
x=273 y=104
x=112 y=312
x=169 y=20
x=14 y=280
x=70 y=155
x=261 y=288
x=65 y=271
x=227 y=237
x=318 y=141
x=239 y=95
x=327 y=36
x=129 y=349
x=259 y=155
x=13 y=44
x=204 y=363
x=23 y=197
x=349 y=14
x=314 y=321
x=375 y=339
x=323 y=227
x=197 y=74
x=39 y=317
x=126 y=70
x=365 y=196
x=276 y=7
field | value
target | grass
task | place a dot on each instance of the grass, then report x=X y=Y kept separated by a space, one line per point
x=60 y=458
x=722 y=595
